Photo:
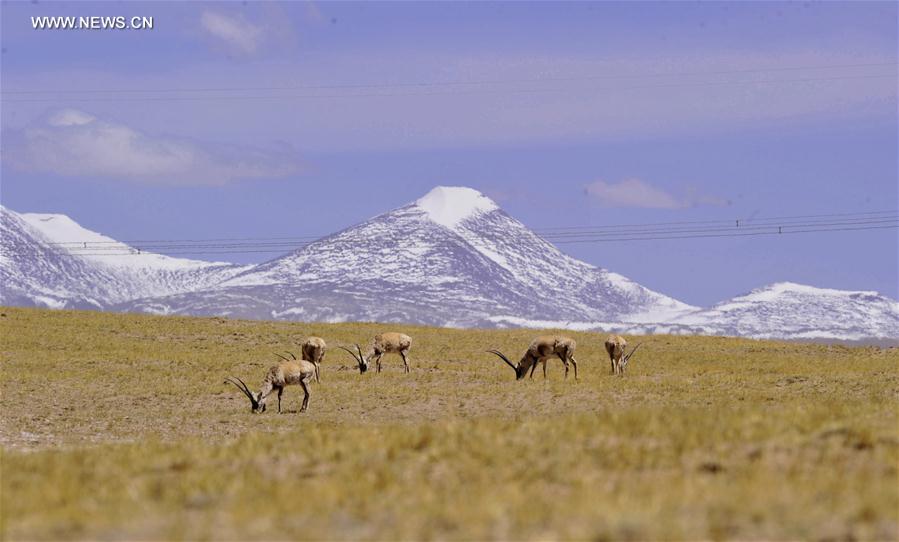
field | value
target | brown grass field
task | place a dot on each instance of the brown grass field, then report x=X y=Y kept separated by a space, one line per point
x=120 y=427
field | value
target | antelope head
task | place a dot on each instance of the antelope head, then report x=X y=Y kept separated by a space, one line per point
x=361 y=360
x=254 y=400
x=627 y=357
x=520 y=369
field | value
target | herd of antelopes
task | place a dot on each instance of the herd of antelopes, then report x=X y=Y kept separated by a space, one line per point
x=301 y=372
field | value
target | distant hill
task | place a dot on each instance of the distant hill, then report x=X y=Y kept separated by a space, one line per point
x=451 y=258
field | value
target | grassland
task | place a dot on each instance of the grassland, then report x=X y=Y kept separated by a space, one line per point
x=120 y=427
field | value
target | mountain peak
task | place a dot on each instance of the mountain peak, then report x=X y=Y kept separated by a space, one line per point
x=450 y=205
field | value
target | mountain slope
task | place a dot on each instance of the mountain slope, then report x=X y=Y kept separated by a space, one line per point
x=141 y=273
x=40 y=266
x=584 y=291
x=450 y=258
x=33 y=272
x=778 y=311
x=795 y=311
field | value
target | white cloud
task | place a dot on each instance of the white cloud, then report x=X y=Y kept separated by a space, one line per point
x=638 y=193
x=75 y=143
x=70 y=117
x=237 y=33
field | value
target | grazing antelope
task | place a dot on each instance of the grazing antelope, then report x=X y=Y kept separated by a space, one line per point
x=313 y=349
x=615 y=346
x=541 y=349
x=383 y=343
x=286 y=373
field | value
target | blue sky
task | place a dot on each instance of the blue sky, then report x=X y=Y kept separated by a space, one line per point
x=304 y=118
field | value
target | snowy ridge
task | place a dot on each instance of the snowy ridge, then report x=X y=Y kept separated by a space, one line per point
x=39 y=268
x=790 y=310
x=66 y=233
x=451 y=258
x=779 y=311
x=35 y=273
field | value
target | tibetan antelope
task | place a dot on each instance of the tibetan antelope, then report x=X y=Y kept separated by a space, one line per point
x=383 y=343
x=286 y=373
x=313 y=349
x=541 y=349
x=615 y=346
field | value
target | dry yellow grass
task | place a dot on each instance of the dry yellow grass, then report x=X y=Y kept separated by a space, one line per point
x=119 y=426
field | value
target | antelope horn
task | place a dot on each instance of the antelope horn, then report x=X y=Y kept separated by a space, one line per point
x=359 y=359
x=291 y=355
x=504 y=358
x=243 y=388
x=627 y=357
x=282 y=357
x=244 y=384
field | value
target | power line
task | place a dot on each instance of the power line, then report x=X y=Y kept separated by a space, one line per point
x=426 y=94
x=600 y=233
x=831 y=219
x=725 y=221
x=429 y=84
x=769 y=230
x=784 y=232
x=569 y=238
x=849 y=216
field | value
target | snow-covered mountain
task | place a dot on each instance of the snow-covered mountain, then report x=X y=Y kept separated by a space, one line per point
x=33 y=272
x=783 y=310
x=451 y=258
x=786 y=310
x=50 y=260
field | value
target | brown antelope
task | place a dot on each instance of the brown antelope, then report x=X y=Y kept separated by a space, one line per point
x=615 y=346
x=313 y=349
x=541 y=349
x=288 y=372
x=383 y=343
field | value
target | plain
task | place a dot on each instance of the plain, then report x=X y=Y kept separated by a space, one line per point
x=120 y=426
